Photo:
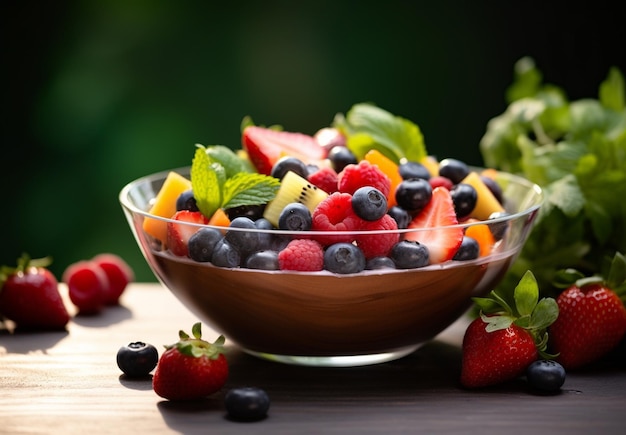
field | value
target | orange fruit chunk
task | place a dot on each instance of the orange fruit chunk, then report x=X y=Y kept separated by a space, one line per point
x=482 y=234
x=165 y=205
x=389 y=168
x=219 y=218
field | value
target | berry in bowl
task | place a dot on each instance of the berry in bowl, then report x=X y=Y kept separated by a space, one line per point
x=310 y=251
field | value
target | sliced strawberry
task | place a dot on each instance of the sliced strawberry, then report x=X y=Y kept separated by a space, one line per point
x=442 y=244
x=265 y=146
x=178 y=234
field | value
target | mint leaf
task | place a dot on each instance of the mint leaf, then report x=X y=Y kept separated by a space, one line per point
x=249 y=189
x=368 y=127
x=207 y=179
x=526 y=294
x=226 y=157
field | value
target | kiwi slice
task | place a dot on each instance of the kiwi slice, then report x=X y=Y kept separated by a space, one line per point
x=293 y=188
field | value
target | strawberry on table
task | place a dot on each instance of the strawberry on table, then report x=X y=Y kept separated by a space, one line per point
x=192 y=368
x=442 y=244
x=501 y=344
x=264 y=146
x=29 y=295
x=592 y=317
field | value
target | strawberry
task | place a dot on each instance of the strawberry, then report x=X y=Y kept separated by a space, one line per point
x=592 y=319
x=178 y=234
x=87 y=285
x=439 y=212
x=264 y=146
x=499 y=345
x=119 y=273
x=191 y=369
x=29 y=295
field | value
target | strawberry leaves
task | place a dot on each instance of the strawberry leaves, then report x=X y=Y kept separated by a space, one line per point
x=525 y=310
x=197 y=347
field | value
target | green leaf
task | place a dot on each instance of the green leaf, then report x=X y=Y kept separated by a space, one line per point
x=544 y=314
x=207 y=179
x=368 y=127
x=526 y=294
x=611 y=93
x=196 y=330
x=249 y=189
x=565 y=194
x=226 y=157
x=496 y=323
x=527 y=80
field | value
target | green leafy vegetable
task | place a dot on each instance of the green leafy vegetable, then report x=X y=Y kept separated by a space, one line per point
x=220 y=179
x=368 y=127
x=576 y=151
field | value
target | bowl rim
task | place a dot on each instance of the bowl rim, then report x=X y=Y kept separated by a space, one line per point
x=124 y=196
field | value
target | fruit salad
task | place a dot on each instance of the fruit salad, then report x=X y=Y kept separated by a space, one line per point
x=359 y=194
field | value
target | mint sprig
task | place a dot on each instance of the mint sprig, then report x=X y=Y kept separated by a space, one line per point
x=369 y=127
x=218 y=186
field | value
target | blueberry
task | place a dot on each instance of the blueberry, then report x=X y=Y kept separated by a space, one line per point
x=344 y=258
x=494 y=187
x=247 y=403
x=286 y=164
x=225 y=255
x=186 y=201
x=137 y=359
x=380 y=263
x=340 y=157
x=409 y=170
x=464 y=198
x=202 y=243
x=409 y=254
x=253 y=212
x=369 y=203
x=453 y=169
x=245 y=242
x=498 y=229
x=545 y=375
x=468 y=250
x=401 y=216
x=413 y=194
x=263 y=260
x=295 y=217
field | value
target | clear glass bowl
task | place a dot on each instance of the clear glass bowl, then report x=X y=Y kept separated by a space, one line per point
x=327 y=319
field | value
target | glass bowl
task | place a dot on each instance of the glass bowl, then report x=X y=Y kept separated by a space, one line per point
x=329 y=319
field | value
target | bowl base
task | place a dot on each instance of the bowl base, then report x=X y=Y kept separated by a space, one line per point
x=337 y=361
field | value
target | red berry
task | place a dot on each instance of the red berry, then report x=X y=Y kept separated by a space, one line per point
x=325 y=178
x=191 y=369
x=119 y=275
x=29 y=296
x=442 y=244
x=591 y=323
x=178 y=235
x=440 y=181
x=335 y=213
x=302 y=255
x=491 y=358
x=87 y=285
x=352 y=177
x=378 y=245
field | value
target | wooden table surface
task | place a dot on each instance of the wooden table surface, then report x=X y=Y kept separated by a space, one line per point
x=69 y=382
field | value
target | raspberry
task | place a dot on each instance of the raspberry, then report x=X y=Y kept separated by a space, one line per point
x=335 y=213
x=378 y=245
x=363 y=174
x=325 y=178
x=302 y=255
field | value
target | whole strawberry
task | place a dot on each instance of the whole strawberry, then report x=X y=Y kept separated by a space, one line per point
x=29 y=295
x=592 y=319
x=508 y=336
x=191 y=369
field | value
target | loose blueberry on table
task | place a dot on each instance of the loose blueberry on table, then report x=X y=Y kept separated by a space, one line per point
x=137 y=359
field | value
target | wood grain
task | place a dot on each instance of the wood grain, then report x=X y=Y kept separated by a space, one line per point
x=69 y=383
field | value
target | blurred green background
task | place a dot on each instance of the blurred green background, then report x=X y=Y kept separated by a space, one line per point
x=98 y=93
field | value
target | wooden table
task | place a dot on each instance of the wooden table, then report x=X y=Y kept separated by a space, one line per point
x=69 y=383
